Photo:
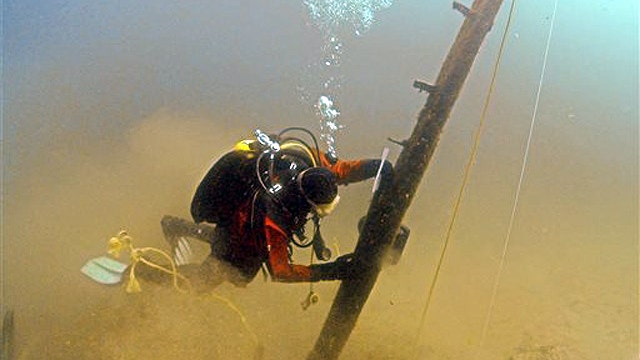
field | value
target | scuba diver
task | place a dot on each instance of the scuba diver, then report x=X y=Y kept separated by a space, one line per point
x=252 y=207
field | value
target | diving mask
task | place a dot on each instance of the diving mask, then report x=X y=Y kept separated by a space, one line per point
x=325 y=209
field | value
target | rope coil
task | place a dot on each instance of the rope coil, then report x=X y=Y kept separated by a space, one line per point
x=124 y=242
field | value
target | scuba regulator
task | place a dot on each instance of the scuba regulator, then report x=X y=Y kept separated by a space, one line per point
x=272 y=150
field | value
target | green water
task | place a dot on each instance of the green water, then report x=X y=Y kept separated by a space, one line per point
x=112 y=112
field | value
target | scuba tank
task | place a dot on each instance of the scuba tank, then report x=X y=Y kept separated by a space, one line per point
x=227 y=184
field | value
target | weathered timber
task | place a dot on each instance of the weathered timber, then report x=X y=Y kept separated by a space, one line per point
x=7 y=336
x=390 y=204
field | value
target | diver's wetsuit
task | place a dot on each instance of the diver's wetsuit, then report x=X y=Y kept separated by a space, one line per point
x=260 y=231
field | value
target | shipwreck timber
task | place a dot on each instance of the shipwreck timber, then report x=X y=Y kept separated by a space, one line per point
x=390 y=204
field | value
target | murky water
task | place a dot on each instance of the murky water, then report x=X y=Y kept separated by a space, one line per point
x=112 y=113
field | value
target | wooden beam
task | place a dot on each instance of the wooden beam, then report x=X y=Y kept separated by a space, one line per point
x=390 y=204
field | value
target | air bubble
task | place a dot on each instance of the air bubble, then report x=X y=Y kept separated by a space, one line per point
x=330 y=16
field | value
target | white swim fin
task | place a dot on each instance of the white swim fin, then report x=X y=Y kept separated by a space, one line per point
x=104 y=270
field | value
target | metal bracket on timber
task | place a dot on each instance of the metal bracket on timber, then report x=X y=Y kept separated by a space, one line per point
x=390 y=204
x=402 y=143
x=423 y=86
x=463 y=9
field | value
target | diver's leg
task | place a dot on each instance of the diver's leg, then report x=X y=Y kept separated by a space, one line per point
x=175 y=231
x=200 y=277
x=209 y=274
x=178 y=231
x=175 y=227
x=212 y=271
x=153 y=275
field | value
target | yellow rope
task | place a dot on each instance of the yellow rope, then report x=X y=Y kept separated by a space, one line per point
x=254 y=337
x=124 y=241
x=174 y=268
x=311 y=297
x=465 y=180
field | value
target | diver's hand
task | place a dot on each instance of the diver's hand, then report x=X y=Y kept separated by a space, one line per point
x=345 y=260
x=369 y=169
x=340 y=269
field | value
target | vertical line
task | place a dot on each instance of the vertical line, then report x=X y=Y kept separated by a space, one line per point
x=520 y=181
x=466 y=175
x=2 y=160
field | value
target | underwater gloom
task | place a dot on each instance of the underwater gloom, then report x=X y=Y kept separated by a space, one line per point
x=315 y=179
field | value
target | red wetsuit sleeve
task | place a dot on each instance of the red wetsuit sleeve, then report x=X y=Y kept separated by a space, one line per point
x=281 y=269
x=349 y=171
